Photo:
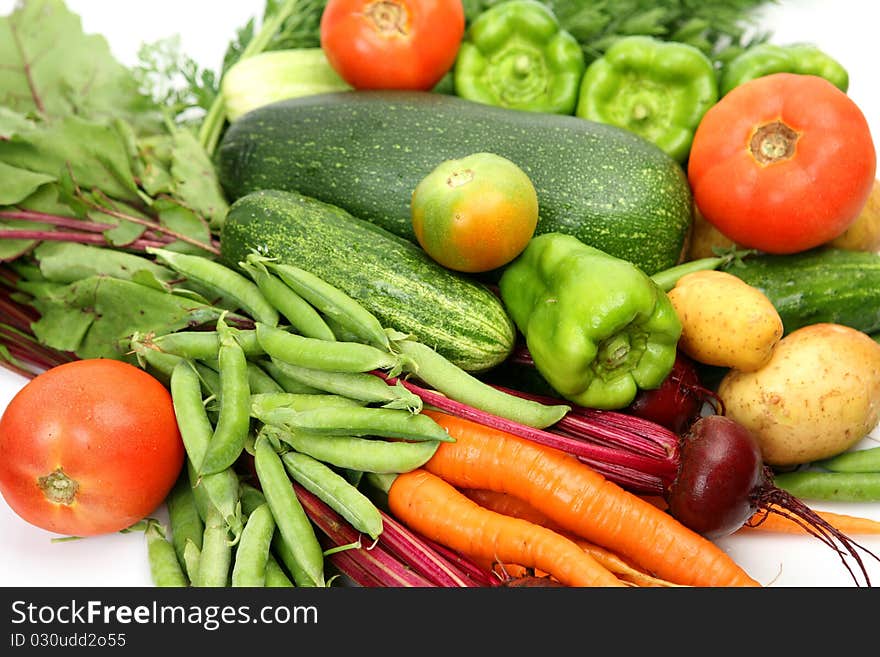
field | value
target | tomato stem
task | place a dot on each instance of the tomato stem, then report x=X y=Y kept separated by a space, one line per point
x=58 y=487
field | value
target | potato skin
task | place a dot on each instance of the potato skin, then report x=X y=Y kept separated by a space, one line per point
x=725 y=321
x=817 y=397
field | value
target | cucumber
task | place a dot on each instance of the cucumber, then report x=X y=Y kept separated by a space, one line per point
x=820 y=285
x=365 y=151
x=391 y=277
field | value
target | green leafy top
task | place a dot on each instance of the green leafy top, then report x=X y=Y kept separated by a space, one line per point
x=51 y=69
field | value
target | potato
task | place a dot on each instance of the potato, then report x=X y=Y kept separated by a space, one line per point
x=725 y=321
x=864 y=233
x=818 y=396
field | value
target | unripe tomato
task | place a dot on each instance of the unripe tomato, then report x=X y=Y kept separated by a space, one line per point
x=89 y=447
x=475 y=214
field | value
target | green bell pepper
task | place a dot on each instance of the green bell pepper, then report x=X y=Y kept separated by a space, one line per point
x=516 y=55
x=654 y=88
x=766 y=59
x=597 y=327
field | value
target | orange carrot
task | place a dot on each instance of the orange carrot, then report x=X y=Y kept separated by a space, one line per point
x=582 y=501
x=513 y=506
x=780 y=521
x=434 y=508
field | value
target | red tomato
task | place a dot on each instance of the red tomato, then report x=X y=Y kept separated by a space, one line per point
x=392 y=44
x=782 y=163
x=475 y=214
x=89 y=447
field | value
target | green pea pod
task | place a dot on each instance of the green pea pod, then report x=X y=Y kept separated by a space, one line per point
x=597 y=327
x=655 y=88
x=234 y=288
x=221 y=489
x=857 y=460
x=203 y=345
x=331 y=301
x=332 y=356
x=831 y=486
x=356 y=385
x=233 y=421
x=165 y=569
x=215 y=558
x=457 y=384
x=369 y=421
x=516 y=55
x=768 y=58
x=263 y=404
x=363 y=454
x=287 y=383
x=183 y=517
x=335 y=491
x=275 y=575
x=300 y=314
x=294 y=526
x=252 y=553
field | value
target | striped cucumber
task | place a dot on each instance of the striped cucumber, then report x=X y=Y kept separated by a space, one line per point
x=391 y=277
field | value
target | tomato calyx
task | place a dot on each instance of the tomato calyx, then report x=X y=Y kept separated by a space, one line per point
x=58 y=487
x=388 y=17
x=773 y=142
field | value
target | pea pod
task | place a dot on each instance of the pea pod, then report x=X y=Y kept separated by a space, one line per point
x=237 y=290
x=203 y=345
x=356 y=385
x=363 y=454
x=264 y=402
x=369 y=421
x=233 y=422
x=165 y=569
x=183 y=517
x=287 y=383
x=454 y=382
x=295 y=528
x=215 y=557
x=331 y=301
x=335 y=491
x=300 y=314
x=859 y=460
x=332 y=356
x=220 y=489
x=831 y=486
x=275 y=575
x=252 y=553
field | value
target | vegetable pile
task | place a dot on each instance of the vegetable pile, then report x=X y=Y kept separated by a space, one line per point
x=442 y=294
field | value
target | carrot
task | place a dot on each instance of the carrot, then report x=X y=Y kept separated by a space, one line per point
x=582 y=501
x=779 y=521
x=513 y=506
x=434 y=508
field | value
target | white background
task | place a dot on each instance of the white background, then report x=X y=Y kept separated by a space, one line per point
x=846 y=29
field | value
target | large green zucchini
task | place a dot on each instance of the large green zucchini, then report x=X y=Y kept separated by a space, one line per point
x=365 y=151
x=388 y=275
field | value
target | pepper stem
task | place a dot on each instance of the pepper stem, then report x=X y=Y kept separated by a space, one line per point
x=58 y=487
x=613 y=352
x=522 y=66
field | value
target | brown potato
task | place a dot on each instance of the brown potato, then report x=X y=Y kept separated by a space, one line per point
x=725 y=321
x=864 y=233
x=818 y=396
